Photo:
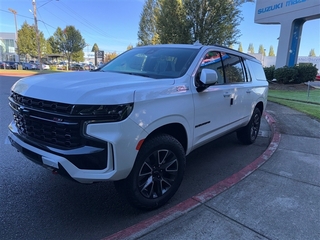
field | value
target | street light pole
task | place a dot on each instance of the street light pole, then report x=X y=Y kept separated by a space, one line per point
x=37 y=32
x=15 y=21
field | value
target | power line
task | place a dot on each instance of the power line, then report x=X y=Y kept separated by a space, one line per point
x=17 y=14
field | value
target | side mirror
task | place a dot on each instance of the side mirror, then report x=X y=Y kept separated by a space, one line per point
x=208 y=77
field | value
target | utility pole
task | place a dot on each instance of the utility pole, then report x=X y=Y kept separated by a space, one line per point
x=37 y=32
x=15 y=21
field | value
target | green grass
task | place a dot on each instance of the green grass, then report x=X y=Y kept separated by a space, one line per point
x=307 y=102
x=312 y=96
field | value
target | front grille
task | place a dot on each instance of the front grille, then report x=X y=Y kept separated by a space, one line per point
x=46 y=122
x=52 y=133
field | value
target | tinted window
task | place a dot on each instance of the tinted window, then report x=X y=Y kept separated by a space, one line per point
x=234 y=69
x=257 y=70
x=212 y=60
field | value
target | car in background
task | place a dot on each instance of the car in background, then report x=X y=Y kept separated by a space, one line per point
x=12 y=65
x=89 y=67
x=62 y=66
x=29 y=66
x=4 y=65
x=45 y=66
x=318 y=77
x=77 y=67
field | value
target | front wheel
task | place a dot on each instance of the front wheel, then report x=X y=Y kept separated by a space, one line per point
x=156 y=174
x=249 y=133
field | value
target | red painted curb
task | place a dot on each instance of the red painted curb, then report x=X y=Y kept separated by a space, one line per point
x=186 y=206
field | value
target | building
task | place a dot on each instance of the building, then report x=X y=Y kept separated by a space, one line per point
x=8 y=47
x=291 y=15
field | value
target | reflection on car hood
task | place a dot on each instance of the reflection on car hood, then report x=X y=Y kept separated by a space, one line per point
x=85 y=87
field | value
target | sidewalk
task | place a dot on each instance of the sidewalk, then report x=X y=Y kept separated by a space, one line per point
x=276 y=197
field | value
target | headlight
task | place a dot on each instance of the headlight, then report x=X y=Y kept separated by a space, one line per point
x=112 y=113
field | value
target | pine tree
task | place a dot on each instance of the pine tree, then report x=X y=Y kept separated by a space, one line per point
x=250 y=48
x=261 y=50
x=147 y=26
x=26 y=41
x=170 y=22
x=240 y=49
x=95 y=48
x=271 y=52
x=312 y=53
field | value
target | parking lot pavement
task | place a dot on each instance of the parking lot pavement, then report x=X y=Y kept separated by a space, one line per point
x=275 y=197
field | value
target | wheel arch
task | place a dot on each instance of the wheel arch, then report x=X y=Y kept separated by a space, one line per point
x=176 y=130
x=260 y=106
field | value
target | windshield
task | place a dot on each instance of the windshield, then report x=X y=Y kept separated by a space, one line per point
x=153 y=62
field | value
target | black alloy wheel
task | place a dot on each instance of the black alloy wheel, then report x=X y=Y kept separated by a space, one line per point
x=157 y=173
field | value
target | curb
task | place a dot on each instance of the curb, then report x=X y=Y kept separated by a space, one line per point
x=151 y=224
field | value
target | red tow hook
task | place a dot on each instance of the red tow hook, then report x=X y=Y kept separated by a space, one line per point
x=54 y=171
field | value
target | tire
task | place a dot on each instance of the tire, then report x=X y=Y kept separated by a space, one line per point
x=248 y=134
x=156 y=175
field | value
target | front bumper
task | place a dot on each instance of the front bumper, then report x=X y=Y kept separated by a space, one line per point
x=118 y=163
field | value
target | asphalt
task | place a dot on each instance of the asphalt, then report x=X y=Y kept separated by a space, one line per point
x=277 y=196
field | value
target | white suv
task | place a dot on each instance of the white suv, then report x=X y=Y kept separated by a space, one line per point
x=135 y=120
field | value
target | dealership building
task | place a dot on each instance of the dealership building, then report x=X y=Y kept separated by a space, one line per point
x=291 y=15
x=8 y=47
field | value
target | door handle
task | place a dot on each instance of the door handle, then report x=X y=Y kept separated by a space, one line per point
x=226 y=94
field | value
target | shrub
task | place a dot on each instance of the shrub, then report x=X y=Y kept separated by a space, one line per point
x=286 y=74
x=53 y=67
x=269 y=71
x=306 y=72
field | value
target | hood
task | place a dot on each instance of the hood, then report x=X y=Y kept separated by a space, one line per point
x=86 y=87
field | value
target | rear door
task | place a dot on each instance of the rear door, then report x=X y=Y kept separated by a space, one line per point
x=238 y=78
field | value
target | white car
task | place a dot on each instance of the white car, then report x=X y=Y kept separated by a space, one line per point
x=134 y=120
x=45 y=66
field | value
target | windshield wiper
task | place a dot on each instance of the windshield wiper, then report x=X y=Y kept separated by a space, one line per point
x=137 y=74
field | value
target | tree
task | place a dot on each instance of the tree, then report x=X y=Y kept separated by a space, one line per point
x=78 y=56
x=171 y=23
x=26 y=41
x=312 y=53
x=95 y=49
x=147 y=26
x=250 y=48
x=110 y=56
x=271 y=52
x=129 y=47
x=261 y=50
x=54 y=46
x=188 y=21
x=213 y=21
x=69 y=41
x=240 y=49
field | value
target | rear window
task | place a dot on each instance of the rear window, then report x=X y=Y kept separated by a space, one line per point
x=257 y=70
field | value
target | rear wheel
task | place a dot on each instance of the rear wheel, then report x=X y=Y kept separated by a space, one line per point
x=249 y=133
x=156 y=174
